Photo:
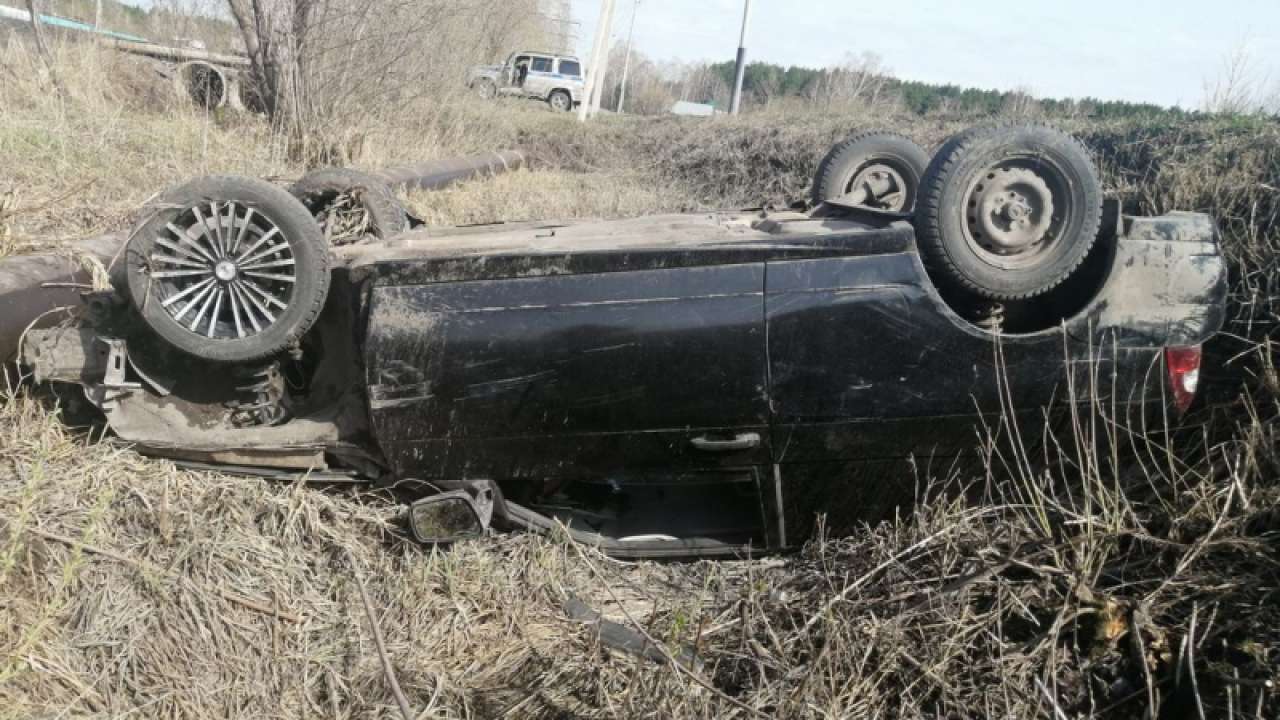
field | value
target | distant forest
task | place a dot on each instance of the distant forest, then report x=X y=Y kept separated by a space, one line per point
x=766 y=81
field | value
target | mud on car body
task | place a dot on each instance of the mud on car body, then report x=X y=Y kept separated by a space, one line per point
x=670 y=385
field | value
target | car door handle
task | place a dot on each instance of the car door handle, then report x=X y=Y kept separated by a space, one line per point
x=745 y=441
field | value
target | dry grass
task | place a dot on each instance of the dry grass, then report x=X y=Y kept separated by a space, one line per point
x=547 y=194
x=80 y=165
x=1102 y=589
x=1082 y=595
x=472 y=632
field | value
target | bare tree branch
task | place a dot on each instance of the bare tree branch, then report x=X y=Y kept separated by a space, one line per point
x=33 y=7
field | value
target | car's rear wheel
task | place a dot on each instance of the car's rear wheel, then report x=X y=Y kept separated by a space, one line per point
x=486 y=90
x=228 y=269
x=875 y=170
x=560 y=101
x=348 y=204
x=1008 y=212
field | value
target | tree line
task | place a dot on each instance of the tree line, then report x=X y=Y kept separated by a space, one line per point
x=765 y=82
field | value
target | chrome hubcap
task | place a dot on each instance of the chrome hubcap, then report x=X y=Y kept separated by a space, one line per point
x=224 y=271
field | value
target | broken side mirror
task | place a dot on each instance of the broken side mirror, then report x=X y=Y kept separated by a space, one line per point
x=445 y=518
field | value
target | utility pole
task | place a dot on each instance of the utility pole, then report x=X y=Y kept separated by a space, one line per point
x=603 y=66
x=741 y=70
x=599 y=62
x=626 y=66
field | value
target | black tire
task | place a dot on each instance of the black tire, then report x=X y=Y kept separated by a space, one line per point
x=320 y=189
x=895 y=158
x=560 y=100
x=486 y=89
x=1008 y=212
x=248 y=326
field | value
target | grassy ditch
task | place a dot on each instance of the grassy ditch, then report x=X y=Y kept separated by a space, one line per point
x=1126 y=585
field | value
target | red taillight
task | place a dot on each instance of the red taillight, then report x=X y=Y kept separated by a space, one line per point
x=1184 y=374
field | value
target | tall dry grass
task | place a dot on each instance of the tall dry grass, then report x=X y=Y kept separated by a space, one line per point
x=79 y=163
x=1101 y=590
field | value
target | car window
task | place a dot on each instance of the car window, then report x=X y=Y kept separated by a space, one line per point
x=541 y=65
x=570 y=67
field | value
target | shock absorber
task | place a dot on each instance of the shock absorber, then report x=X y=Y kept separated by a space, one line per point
x=261 y=401
x=990 y=317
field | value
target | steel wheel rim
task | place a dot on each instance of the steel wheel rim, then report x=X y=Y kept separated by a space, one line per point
x=223 y=271
x=559 y=102
x=1015 y=212
x=879 y=184
x=487 y=90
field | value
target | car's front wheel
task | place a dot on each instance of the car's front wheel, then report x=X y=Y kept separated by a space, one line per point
x=228 y=269
x=486 y=90
x=560 y=101
x=1008 y=212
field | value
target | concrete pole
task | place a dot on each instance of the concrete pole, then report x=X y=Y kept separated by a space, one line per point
x=741 y=69
x=626 y=66
x=595 y=71
x=604 y=60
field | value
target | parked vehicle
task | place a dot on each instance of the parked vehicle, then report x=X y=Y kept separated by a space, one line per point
x=668 y=385
x=555 y=79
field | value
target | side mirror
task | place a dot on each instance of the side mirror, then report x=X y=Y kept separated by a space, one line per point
x=445 y=518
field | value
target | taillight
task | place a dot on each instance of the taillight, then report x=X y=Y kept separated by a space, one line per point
x=1183 y=364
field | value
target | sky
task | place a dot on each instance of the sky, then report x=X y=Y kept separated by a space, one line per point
x=1158 y=51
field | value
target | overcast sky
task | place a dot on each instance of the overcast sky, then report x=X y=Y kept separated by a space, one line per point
x=1160 y=51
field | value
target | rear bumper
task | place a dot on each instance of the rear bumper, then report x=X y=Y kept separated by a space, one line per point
x=1166 y=286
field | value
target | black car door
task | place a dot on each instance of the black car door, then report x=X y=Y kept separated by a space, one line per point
x=868 y=363
x=579 y=375
x=865 y=365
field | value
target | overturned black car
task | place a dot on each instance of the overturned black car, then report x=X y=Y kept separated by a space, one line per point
x=671 y=385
